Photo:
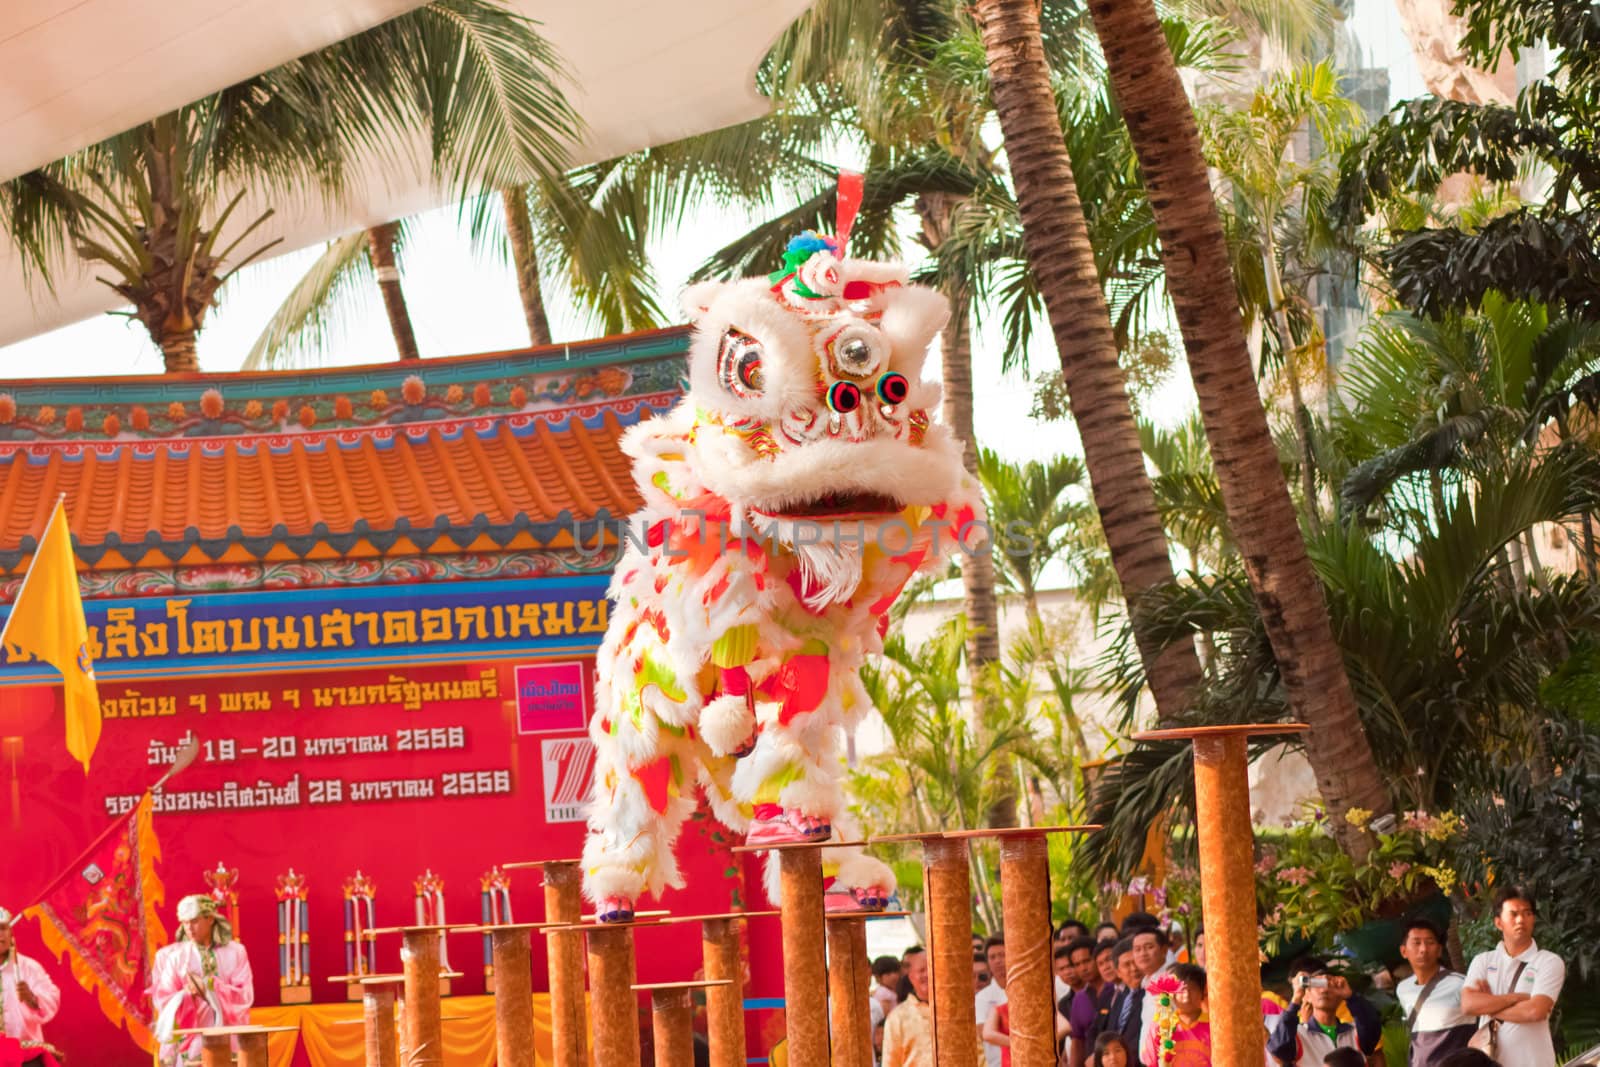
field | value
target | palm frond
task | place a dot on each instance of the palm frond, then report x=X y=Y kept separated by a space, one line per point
x=317 y=312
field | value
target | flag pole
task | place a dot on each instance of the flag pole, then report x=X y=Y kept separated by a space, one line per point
x=23 y=588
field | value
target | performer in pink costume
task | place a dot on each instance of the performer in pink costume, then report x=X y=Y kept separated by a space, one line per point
x=789 y=498
x=28 y=1000
x=201 y=980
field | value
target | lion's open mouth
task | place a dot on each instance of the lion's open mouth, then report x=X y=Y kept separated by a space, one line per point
x=837 y=505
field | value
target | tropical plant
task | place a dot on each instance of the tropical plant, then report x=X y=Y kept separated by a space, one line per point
x=1261 y=514
x=1276 y=206
x=474 y=79
x=1447 y=657
x=1427 y=405
x=1544 y=251
x=1308 y=890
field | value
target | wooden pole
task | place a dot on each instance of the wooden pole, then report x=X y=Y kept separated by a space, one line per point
x=216 y=1050
x=513 y=996
x=563 y=903
x=947 y=877
x=377 y=1016
x=419 y=955
x=849 y=986
x=805 y=964
x=614 y=1009
x=253 y=1050
x=672 y=1026
x=1226 y=837
x=719 y=946
x=1030 y=980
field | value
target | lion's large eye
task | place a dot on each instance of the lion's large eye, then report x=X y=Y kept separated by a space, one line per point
x=856 y=351
x=739 y=364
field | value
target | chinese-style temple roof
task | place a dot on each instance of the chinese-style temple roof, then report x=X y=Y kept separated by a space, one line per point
x=488 y=454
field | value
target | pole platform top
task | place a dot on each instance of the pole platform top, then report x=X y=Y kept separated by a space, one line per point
x=795 y=846
x=1191 y=733
x=448 y=928
x=528 y=865
x=382 y=979
x=588 y=925
x=664 y=987
x=722 y=915
x=236 y=1031
x=1022 y=831
x=865 y=913
x=489 y=928
x=896 y=839
x=386 y=976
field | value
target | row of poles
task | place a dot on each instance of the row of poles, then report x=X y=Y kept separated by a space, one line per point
x=826 y=971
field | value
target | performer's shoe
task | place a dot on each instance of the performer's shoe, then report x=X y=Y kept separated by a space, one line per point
x=772 y=825
x=840 y=901
x=613 y=910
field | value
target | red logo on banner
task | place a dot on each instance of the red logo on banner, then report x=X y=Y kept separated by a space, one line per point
x=568 y=777
x=551 y=699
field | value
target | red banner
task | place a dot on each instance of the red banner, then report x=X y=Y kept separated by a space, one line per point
x=390 y=771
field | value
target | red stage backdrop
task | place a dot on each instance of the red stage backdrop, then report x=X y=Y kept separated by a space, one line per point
x=392 y=771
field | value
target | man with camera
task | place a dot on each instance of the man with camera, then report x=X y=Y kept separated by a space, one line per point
x=1310 y=1027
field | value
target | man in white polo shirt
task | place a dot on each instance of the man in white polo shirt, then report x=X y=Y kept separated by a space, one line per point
x=1515 y=987
x=1430 y=1000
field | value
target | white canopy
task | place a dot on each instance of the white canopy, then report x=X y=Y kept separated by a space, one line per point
x=77 y=71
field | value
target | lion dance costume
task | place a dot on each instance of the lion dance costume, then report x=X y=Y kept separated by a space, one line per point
x=789 y=498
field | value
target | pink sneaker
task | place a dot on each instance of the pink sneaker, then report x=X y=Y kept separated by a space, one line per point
x=614 y=910
x=772 y=825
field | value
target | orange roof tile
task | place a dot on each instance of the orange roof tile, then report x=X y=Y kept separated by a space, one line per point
x=429 y=486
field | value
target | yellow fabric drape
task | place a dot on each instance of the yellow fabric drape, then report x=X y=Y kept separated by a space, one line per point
x=333 y=1037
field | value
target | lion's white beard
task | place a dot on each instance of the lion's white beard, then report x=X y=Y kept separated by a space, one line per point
x=832 y=569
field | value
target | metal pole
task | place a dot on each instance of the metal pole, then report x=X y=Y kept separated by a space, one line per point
x=615 y=1009
x=719 y=945
x=1030 y=982
x=805 y=963
x=563 y=903
x=947 y=875
x=513 y=996
x=419 y=953
x=849 y=982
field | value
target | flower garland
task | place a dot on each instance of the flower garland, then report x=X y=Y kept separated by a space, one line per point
x=1165 y=986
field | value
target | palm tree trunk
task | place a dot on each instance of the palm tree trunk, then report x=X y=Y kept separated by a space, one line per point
x=1056 y=237
x=178 y=352
x=381 y=239
x=1199 y=278
x=519 y=233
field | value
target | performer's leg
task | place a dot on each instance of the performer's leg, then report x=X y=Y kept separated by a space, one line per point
x=640 y=801
x=791 y=780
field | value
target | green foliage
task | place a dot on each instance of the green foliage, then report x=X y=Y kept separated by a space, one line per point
x=1312 y=890
x=1521 y=816
x=1547 y=252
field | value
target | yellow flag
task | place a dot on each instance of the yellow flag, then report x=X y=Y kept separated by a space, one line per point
x=47 y=621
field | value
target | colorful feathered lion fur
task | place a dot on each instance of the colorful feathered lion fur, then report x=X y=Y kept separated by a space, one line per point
x=788 y=499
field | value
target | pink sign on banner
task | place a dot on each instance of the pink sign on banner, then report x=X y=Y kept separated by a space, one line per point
x=551 y=698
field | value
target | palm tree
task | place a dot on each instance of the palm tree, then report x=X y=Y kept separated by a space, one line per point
x=582 y=220
x=1029 y=502
x=1063 y=265
x=150 y=205
x=1260 y=512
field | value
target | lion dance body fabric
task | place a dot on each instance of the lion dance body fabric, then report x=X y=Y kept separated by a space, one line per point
x=789 y=498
